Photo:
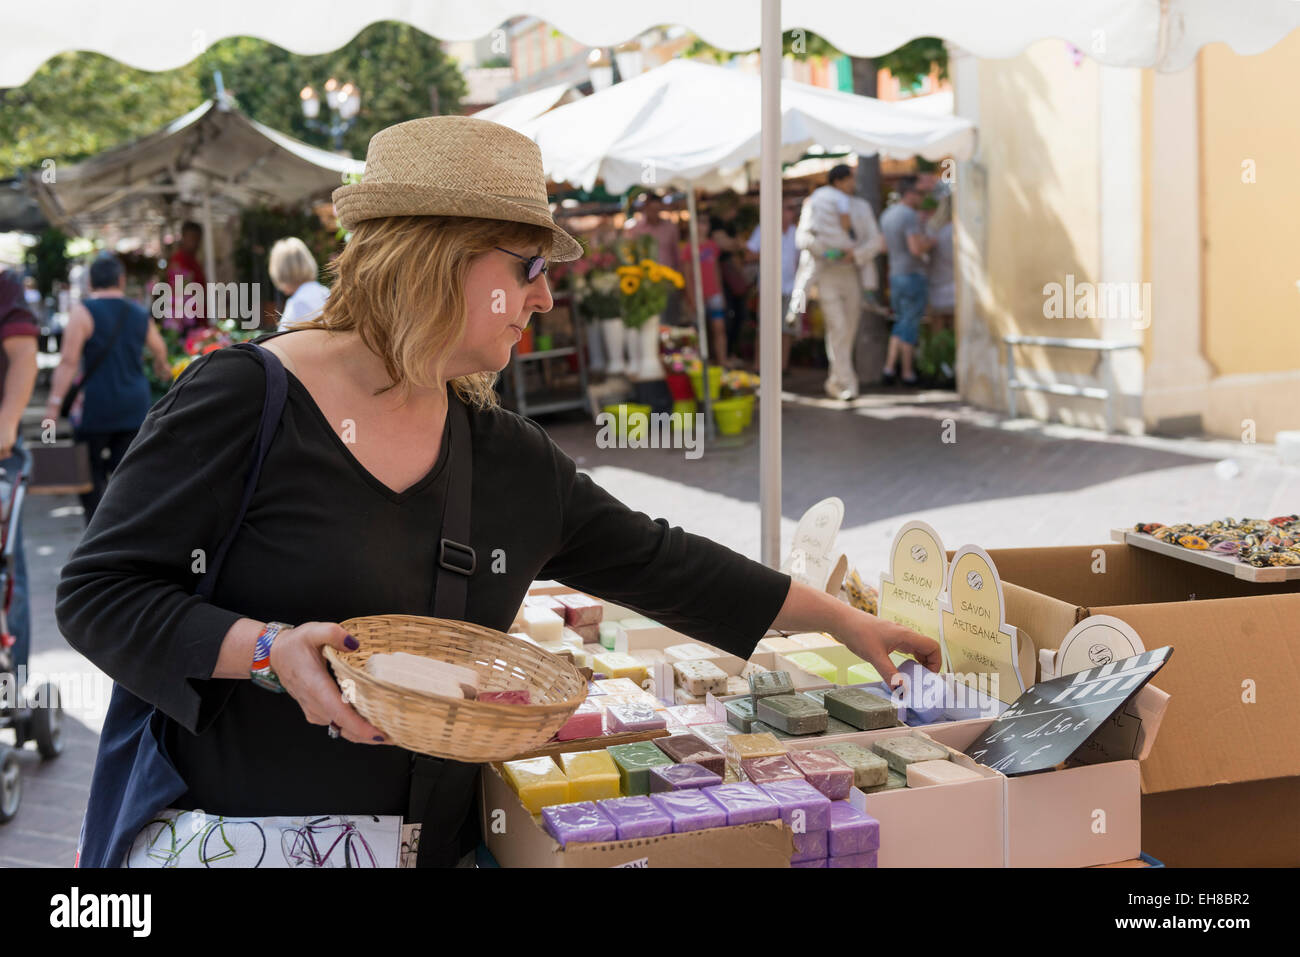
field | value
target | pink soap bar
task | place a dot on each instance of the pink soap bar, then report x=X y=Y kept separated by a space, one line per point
x=630 y=717
x=854 y=860
x=681 y=777
x=636 y=817
x=809 y=846
x=693 y=714
x=825 y=771
x=590 y=633
x=580 y=609
x=506 y=697
x=819 y=862
x=767 y=770
x=586 y=722
x=851 y=831
x=686 y=748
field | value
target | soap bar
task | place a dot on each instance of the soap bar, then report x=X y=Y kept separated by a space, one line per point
x=538 y=782
x=740 y=713
x=926 y=773
x=425 y=675
x=860 y=708
x=690 y=810
x=778 y=643
x=690 y=749
x=791 y=713
x=681 y=777
x=649 y=656
x=825 y=772
x=903 y=749
x=617 y=664
x=633 y=718
x=924 y=686
x=814 y=639
x=851 y=831
x=863 y=674
x=638 y=623
x=545 y=601
x=581 y=609
x=835 y=726
x=770 y=769
x=752 y=668
x=571 y=639
x=506 y=697
x=744 y=803
x=736 y=685
x=594 y=688
x=607 y=633
x=636 y=817
x=714 y=735
x=803 y=807
x=692 y=714
x=854 y=860
x=618 y=686
x=543 y=624
x=893 y=781
x=634 y=763
x=586 y=722
x=819 y=862
x=741 y=747
x=682 y=696
x=690 y=651
x=700 y=677
x=592 y=775
x=815 y=664
x=869 y=769
x=758 y=727
x=590 y=633
x=809 y=846
x=583 y=821
x=764 y=683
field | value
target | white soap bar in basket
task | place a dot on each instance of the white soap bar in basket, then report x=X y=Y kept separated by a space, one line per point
x=427 y=675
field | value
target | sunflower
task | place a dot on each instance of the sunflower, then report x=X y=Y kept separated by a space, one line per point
x=629 y=284
x=629 y=271
x=654 y=272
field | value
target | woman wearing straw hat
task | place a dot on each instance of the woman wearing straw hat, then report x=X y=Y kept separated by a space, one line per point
x=451 y=234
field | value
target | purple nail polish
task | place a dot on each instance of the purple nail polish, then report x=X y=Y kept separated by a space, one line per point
x=351 y=643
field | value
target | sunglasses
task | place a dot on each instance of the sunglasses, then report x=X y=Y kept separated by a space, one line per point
x=534 y=266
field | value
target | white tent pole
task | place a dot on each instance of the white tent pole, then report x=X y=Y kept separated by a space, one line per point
x=769 y=289
x=701 y=325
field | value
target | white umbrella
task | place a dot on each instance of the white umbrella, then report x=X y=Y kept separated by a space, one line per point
x=518 y=110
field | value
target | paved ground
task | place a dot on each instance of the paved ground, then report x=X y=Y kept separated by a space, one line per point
x=998 y=484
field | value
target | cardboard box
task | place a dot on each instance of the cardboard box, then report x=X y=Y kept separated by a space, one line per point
x=951 y=825
x=1221 y=785
x=516 y=840
x=1076 y=817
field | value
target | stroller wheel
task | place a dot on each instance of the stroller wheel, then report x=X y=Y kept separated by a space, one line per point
x=47 y=722
x=11 y=784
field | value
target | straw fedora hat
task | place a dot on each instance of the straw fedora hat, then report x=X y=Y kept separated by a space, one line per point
x=453 y=166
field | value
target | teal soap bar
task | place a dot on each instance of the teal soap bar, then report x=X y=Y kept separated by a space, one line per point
x=634 y=762
x=870 y=770
x=740 y=713
x=765 y=683
x=862 y=709
x=904 y=749
x=892 y=781
x=792 y=713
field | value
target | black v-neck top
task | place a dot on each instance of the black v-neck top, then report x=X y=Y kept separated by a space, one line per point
x=324 y=540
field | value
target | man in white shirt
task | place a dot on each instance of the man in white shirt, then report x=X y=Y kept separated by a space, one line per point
x=789 y=265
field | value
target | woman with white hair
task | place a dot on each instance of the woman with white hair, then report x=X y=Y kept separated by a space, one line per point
x=293 y=270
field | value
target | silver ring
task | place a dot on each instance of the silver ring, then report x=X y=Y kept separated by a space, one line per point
x=334 y=730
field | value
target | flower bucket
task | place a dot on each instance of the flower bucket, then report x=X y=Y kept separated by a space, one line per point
x=631 y=420
x=729 y=414
x=679 y=385
x=715 y=382
x=748 y=401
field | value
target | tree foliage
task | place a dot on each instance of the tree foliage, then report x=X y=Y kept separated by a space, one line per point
x=910 y=62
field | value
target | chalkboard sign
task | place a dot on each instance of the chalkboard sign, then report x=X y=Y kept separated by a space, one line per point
x=1051 y=720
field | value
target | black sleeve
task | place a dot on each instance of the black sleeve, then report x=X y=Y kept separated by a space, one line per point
x=687 y=582
x=126 y=596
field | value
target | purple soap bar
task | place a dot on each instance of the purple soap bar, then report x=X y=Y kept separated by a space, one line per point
x=627 y=717
x=769 y=769
x=681 y=777
x=851 y=831
x=744 y=802
x=689 y=748
x=854 y=860
x=923 y=686
x=691 y=810
x=809 y=846
x=820 y=862
x=824 y=771
x=636 y=817
x=582 y=821
x=803 y=807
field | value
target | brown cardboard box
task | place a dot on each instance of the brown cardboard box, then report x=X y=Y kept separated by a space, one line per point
x=1221 y=786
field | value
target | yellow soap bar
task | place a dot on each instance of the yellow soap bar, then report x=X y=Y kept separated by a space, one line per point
x=592 y=775
x=742 y=747
x=539 y=782
x=616 y=664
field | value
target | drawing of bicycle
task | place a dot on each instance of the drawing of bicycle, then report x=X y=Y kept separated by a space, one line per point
x=221 y=843
x=300 y=847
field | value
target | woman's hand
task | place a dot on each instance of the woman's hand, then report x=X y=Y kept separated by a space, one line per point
x=299 y=663
x=874 y=638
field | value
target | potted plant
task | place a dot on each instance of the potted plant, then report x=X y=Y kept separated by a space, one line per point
x=644 y=285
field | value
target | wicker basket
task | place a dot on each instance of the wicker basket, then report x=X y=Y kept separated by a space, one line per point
x=456 y=728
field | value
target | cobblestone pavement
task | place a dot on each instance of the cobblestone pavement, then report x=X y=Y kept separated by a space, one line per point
x=998 y=483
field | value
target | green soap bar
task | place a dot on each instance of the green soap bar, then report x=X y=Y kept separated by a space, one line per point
x=904 y=749
x=836 y=726
x=758 y=727
x=608 y=630
x=869 y=769
x=817 y=696
x=740 y=714
x=634 y=763
x=792 y=713
x=895 y=780
x=764 y=683
x=815 y=664
x=862 y=709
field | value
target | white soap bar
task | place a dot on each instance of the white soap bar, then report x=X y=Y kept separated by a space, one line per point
x=682 y=696
x=700 y=677
x=688 y=652
x=423 y=674
x=751 y=669
x=922 y=774
x=737 y=685
x=543 y=624
x=572 y=639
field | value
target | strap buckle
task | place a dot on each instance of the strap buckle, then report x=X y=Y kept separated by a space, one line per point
x=456 y=557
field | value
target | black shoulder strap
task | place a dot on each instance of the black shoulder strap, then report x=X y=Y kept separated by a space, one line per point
x=277 y=387
x=456 y=558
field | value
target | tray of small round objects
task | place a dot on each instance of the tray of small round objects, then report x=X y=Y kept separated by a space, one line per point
x=1252 y=549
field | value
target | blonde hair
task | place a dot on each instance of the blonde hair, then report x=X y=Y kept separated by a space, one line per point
x=400 y=286
x=292 y=263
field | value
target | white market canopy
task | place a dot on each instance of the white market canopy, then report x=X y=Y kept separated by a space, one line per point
x=692 y=123
x=162 y=35
x=208 y=151
x=518 y=110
